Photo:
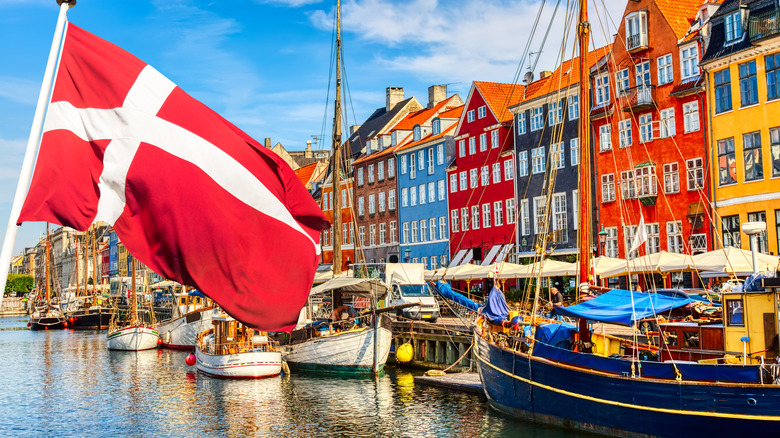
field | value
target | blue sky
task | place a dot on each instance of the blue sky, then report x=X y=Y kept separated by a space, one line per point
x=264 y=64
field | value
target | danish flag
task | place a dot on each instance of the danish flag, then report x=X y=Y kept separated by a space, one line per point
x=188 y=193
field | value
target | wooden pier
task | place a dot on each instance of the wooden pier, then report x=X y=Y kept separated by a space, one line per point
x=13 y=307
x=436 y=345
x=463 y=382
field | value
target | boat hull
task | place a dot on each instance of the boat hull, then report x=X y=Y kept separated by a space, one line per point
x=545 y=391
x=346 y=352
x=247 y=365
x=90 y=319
x=133 y=338
x=182 y=332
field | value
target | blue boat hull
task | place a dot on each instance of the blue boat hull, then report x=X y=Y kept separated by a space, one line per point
x=545 y=391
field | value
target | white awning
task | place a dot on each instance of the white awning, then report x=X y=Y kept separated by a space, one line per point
x=467 y=259
x=503 y=253
x=456 y=260
x=492 y=253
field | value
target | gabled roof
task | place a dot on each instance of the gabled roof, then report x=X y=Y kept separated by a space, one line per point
x=565 y=76
x=428 y=138
x=679 y=14
x=499 y=97
x=304 y=173
x=375 y=124
x=453 y=113
x=717 y=47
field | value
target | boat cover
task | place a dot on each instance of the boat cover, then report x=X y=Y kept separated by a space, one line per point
x=446 y=291
x=496 y=309
x=355 y=286
x=617 y=306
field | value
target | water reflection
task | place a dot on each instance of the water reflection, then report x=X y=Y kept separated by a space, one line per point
x=66 y=383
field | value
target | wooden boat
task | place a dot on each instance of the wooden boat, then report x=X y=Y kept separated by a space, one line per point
x=48 y=315
x=89 y=313
x=192 y=315
x=231 y=350
x=135 y=330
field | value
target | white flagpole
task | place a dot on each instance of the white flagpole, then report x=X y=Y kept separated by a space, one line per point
x=32 y=146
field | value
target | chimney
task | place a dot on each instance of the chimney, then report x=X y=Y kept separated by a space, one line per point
x=267 y=143
x=307 y=154
x=544 y=74
x=436 y=94
x=394 y=95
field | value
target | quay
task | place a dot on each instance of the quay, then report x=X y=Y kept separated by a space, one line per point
x=464 y=382
x=444 y=345
x=13 y=307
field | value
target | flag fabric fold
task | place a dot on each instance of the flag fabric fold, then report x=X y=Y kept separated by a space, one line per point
x=188 y=193
x=640 y=236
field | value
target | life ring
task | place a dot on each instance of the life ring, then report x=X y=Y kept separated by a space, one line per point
x=594 y=348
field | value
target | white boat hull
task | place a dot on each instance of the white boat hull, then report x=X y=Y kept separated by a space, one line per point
x=182 y=332
x=248 y=365
x=133 y=338
x=346 y=352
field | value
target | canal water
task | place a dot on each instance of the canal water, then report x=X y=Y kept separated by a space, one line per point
x=66 y=383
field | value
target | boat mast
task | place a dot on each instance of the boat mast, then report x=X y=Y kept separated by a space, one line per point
x=337 y=151
x=48 y=265
x=94 y=261
x=78 y=285
x=585 y=237
x=133 y=303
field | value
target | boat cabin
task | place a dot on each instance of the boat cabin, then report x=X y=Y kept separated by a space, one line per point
x=751 y=322
x=231 y=336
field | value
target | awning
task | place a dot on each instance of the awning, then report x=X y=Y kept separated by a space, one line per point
x=467 y=259
x=357 y=286
x=503 y=253
x=456 y=260
x=618 y=307
x=492 y=253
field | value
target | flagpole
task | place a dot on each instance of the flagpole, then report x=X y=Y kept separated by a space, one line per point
x=32 y=146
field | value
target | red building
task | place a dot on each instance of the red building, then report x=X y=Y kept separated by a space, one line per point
x=481 y=196
x=648 y=114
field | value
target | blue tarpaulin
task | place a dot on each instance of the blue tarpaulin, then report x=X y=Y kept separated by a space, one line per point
x=616 y=306
x=446 y=291
x=196 y=293
x=496 y=309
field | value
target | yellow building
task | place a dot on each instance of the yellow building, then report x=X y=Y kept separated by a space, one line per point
x=742 y=67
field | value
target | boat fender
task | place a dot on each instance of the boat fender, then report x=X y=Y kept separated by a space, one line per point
x=285 y=369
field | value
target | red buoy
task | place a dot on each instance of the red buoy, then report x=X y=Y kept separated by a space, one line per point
x=71 y=320
x=46 y=327
x=190 y=359
x=159 y=341
x=28 y=324
x=65 y=324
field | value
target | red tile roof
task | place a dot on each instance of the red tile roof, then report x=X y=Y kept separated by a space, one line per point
x=499 y=97
x=565 y=76
x=304 y=173
x=679 y=13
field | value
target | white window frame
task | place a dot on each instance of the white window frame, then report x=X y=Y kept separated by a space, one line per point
x=671 y=178
x=605 y=137
x=510 y=211
x=537 y=118
x=695 y=173
x=486 y=215
x=608 y=187
x=689 y=61
x=667 y=123
x=391 y=199
x=391 y=167
x=691 y=116
x=498 y=213
x=574 y=107
x=442 y=190
x=525 y=217
x=509 y=171
x=537 y=160
x=473 y=178
x=522 y=157
x=665 y=67
x=646 y=128
x=453 y=182
x=574 y=148
x=520 y=123
x=624 y=133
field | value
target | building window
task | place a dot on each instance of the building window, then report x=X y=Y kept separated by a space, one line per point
x=360 y=176
x=727 y=163
x=646 y=128
x=601 y=87
x=733 y=26
x=421 y=198
x=432 y=229
x=695 y=171
x=643 y=77
x=496 y=173
x=380 y=171
x=486 y=215
x=371 y=204
x=653 y=238
x=472 y=145
x=391 y=199
x=691 y=116
x=416 y=133
x=509 y=169
x=629 y=231
x=498 y=213
x=440 y=154
x=474 y=217
x=731 y=233
x=624 y=132
x=777 y=226
x=470 y=116
x=372 y=235
x=442 y=227
x=555 y=112
x=521 y=123
x=754 y=165
x=558 y=156
x=431 y=191
x=413 y=196
x=414 y=232
x=611 y=246
x=494 y=139
x=605 y=138
x=540 y=215
x=689 y=58
x=772 y=67
x=436 y=127
x=636 y=30
x=463 y=185
x=575 y=207
x=621 y=81
x=525 y=217
x=462 y=148
x=665 y=69
x=560 y=217
x=483 y=142
x=454 y=220
x=442 y=190
x=405 y=232
x=431 y=157
x=421 y=160
x=423 y=230
x=404 y=197
x=381 y=202
x=574 y=147
x=522 y=159
x=362 y=235
x=464 y=218
x=391 y=167
x=674 y=238
x=722 y=82
x=473 y=182
x=482 y=112
x=668 y=128
x=412 y=166
x=537 y=160
x=748 y=85
x=760 y=216
x=645 y=181
x=453 y=182
x=370 y=173
x=627 y=185
x=774 y=150
x=382 y=233
x=537 y=118
x=671 y=178
x=608 y=187
x=361 y=209
x=510 y=211
x=574 y=107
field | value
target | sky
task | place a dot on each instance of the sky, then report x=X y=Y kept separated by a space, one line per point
x=265 y=65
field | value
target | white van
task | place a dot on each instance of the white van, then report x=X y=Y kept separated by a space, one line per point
x=407 y=285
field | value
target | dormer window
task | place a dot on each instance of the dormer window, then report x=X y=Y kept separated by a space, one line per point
x=436 y=126
x=733 y=26
x=417 y=133
x=379 y=143
x=636 y=30
x=393 y=139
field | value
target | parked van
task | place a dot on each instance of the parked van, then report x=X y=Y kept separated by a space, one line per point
x=407 y=285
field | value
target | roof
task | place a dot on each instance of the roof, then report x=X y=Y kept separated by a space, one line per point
x=428 y=138
x=679 y=14
x=304 y=173
x=499 y=97
x=717 y=47
x=374 y=124
x=453 y=113
x=565 y=76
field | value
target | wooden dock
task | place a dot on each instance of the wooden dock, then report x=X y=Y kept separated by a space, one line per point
x=436 y=345
x=463 y=382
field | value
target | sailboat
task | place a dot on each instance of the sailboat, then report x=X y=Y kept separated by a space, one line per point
x=48 y=315
x=89 y=311
x=335 y=342
x=192 y=314
x=135 y=330
x=626 y=388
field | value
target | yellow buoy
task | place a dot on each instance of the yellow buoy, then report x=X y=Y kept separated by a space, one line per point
x=405 y=353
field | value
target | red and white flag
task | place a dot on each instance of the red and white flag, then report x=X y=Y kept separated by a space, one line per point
x=189 y=194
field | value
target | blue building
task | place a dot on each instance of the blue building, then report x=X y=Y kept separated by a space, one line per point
x=422 y=188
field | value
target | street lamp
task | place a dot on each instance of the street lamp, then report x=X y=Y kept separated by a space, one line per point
x=602 y=240
x=407 y=254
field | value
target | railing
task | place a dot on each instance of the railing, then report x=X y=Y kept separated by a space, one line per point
x=639 y=97
x=636 y=41
x=764 y=25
